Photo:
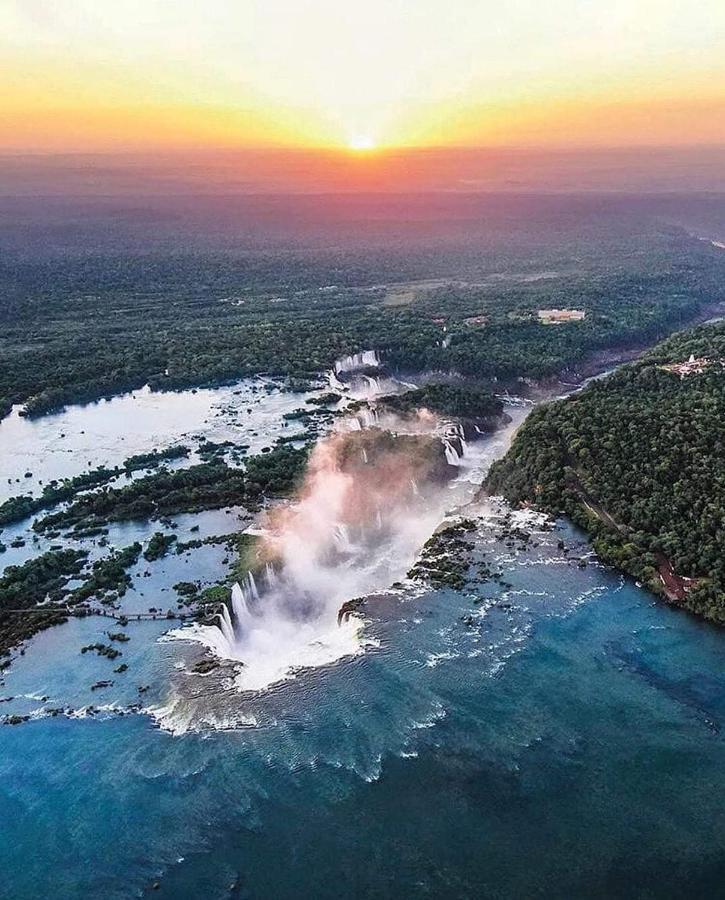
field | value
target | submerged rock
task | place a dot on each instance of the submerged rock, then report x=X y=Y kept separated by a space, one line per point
x=205 y=666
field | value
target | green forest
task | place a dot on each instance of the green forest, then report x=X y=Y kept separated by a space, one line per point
x=459 y=401
x=210 y=485
x=78 y=327
x=636 y=459
x=17 y=508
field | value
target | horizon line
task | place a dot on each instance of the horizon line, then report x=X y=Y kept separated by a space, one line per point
x=367 y=154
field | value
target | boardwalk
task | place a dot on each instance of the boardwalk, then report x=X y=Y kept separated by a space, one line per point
x=117 y=616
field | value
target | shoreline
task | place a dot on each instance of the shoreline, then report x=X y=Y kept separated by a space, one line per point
x=596 y=363
x=569 y=500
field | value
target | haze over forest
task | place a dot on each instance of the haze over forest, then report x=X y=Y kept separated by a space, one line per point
x=362 y=403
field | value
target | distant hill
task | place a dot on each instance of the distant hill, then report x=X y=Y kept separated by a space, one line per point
x=638 y=460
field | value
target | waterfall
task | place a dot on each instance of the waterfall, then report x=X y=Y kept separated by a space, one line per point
x=354 y=529
x=455 y=442
x=335 y=382
x=452 y=456
x=361 y=360
x=461 y=433
x=512 y=400
x=252 y=586
x=368 y=417
x=225 y=622
x=341 y=536
x=239 y=606
x=225 y=638
x=373 y=383
x=270 y=575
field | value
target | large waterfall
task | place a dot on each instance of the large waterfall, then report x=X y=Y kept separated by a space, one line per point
x=270 y=635
x=368 y=504
x=355 y=374
x=375 y=490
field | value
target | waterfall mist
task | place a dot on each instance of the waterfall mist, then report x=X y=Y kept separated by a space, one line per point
x=374 y=491
x=369 y=501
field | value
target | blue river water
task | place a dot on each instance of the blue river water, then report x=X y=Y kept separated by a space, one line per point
x=579 y=753
x=560 y=736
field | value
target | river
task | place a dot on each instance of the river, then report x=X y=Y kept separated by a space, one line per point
x=557 y=735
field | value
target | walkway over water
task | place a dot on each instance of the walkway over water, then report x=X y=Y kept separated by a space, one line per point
x=84 y=613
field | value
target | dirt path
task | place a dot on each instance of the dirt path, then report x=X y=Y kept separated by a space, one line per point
x=674 y=586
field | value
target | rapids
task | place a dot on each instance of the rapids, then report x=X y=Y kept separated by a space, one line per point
x=354 y=530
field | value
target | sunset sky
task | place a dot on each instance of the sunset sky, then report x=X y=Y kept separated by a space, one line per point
x=159 y=74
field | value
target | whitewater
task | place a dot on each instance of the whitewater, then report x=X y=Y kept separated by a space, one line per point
x=354 y=530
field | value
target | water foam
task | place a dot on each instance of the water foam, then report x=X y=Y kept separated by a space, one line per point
x=364 y=511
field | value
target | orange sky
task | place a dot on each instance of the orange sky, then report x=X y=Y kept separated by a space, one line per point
x=132 y=74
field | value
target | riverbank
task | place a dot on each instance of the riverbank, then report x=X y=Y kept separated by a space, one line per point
x=635 y=461
x=546 y=682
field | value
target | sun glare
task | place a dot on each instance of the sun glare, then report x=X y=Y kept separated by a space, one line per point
x=361 y=142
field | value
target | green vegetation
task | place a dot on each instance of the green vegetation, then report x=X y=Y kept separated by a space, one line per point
x=244 y=547
x=109 y=579
x=275 y=474
x=458 y=401
x=325 y=399
x=210 y=485
x=38 y=593
x=24 y=587
x=444 y=560
x=211 y=451
x=206 y=486
x=18 y=508
x=213 y=595
x=637 y=460
x=21 y=507
x=155 y=458
x=101 y=318
x=186 y=589
x=158 y=546
x=195 y=543
x=102 y=650
x=45 y=576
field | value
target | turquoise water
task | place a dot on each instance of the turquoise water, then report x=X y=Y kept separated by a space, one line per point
x=568 y=745
x=558 y=737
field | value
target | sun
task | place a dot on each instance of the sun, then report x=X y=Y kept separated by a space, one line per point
x=361 y=142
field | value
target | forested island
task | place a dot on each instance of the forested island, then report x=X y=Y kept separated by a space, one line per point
x=43 y=591
x=17 y=508
x=455 y=400
x=636 y=459
x=210 y=485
